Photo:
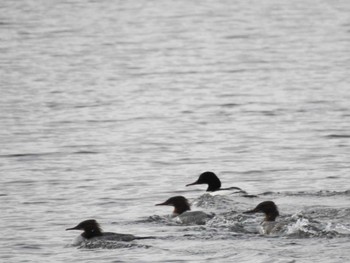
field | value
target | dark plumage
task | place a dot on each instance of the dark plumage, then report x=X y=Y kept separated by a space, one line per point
x=269 y=208
x=213 y=182
x=92 y=229
x=183 y=214
x=179 y=203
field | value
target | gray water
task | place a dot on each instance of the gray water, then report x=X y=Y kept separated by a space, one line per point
x=109 y=107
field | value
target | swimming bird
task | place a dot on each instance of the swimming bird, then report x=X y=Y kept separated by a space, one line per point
x=269 y=208
x=93 y=231
x=213 y=182
x=182 y=211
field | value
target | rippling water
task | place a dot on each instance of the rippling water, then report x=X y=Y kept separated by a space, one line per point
x=109 y=107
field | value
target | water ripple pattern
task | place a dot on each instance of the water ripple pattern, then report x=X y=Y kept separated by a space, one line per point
x=110 y=107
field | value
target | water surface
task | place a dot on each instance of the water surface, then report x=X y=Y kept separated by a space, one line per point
x=109 y=107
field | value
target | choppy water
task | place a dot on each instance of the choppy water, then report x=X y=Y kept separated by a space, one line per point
x=109 y=107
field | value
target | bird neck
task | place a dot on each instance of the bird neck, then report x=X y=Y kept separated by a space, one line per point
x=92 y=233
x=270 y=217
x=179 y=209
x=214 y=185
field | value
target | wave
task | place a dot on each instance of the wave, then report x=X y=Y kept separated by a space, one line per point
x=104 y=244
x=322 y=193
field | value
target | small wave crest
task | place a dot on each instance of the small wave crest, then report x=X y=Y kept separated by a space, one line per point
x=104 y=244
x=293 y=226
x=304 y=228
x=322 y=193
x=156 y=219
x=213 y=201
